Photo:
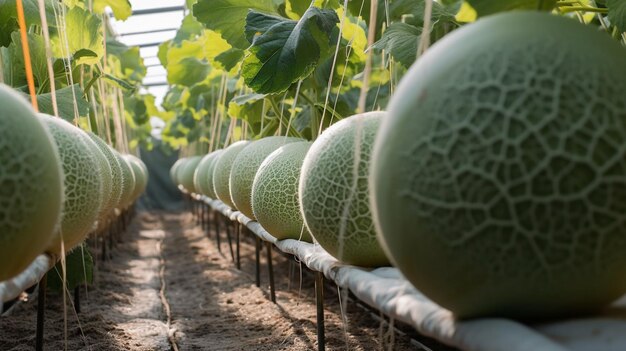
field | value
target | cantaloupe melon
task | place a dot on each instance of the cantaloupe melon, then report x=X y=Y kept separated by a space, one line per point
x=116 y=172
x=106 y=177
x=141 y=176
x=245 y=166
x=275 y=192
x=187 y=171
x=208 y=180
x=499 y=179
x=174 y=170
x=128 y=181
x=201 y=176
x=31 y=185
x=221 y=171
x=334 y=192
x=82 y=181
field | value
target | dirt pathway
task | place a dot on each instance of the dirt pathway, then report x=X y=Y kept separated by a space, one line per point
x=213 y=306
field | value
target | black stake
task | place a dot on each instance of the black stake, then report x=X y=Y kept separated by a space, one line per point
x=77 y=299
x=41 y=312
x=238 y=229
x=217 y=232
x=258 y=261
x=319 y=300
x=229 y=225
x=270 y=268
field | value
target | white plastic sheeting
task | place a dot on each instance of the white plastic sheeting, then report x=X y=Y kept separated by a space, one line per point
x=388 y=291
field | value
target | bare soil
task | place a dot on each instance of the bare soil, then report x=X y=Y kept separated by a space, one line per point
x=169 y=288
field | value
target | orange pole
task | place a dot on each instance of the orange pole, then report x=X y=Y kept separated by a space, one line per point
x=29 y=69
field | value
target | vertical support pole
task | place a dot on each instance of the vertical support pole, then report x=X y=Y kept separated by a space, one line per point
x=319 y=300
x=41 y=312
x=270 y=268
x=217 y=231
x=238 y=244
x=77 y=299
x=258 y=261
x=229 y=226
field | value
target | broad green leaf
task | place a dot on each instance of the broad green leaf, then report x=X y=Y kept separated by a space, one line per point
x=229 y=59
x=355 y=35
x=187 y=71
x=37 y=55
x=78 y=270
x=83 y=31
x=214 y=45
x=121 y=8
x=400 y=41
x=259 y=23
x=12 y=67
x=136 y=109
x=466 y=13
x=8 y=16
x=296 y=8
x=228 y=17
x=488 y=7
x=249 y=108
x=288 y=51
x=65 y=103
x=189 y=29
x=617 y=14
x=162 y=53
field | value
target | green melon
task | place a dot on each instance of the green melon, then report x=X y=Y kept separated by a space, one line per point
x=275 y=193
x=221 y=171
x=499 y=180
x=128 y=181
x=208 y=180
x=245 y=167
x=31 y=185
x=106 y=178
x=174 y=170
x=201 y=175
x=187 y=171
x=116 y=172
x=140 y=173
x=334 y=204
x=82 y=180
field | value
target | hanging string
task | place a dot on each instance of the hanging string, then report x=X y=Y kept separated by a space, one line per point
x=368 y=60
x=26 y=52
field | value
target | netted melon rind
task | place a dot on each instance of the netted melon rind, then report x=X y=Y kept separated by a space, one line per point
x=327 y=188
x=140 y=173
x=116 y=171
x=128 y=181
x=82 y=182
x=31 y=185
x=106 y=177
x=208 y=181
x=187 y=171
x=275 y=193
x=499 y=179
x=221 y=171
x=245 y=167
x=203 y=178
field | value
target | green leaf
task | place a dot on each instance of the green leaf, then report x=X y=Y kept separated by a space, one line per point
x=288 y=51
x=12 y=66
x=229 y=59
x=189 y=29
x=296 y=8
x=400 y=40
x=187 y=71
x=617 y=14
x=228 y=17
x=162 y=53
x=84 y=37
x=121 y=8
x=8 y=16
x=65 y=103
x=249 y=108
x=259 y=23
x=79 y=270
x=488 y=7
x=37 y=55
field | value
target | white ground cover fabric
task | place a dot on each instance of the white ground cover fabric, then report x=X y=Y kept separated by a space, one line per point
x=388 y=291
x=12 y=288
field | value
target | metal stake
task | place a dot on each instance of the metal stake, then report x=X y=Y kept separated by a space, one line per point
x=41 y=312
x=258 y=261
x=77 y=299
x=230 y=238
x=319 y=300
x=238 y=231
x=270 y=268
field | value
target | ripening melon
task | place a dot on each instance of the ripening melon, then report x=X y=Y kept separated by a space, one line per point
x=31 y=185
x=221 y=172
x=174 y=170
x=245 y=166
x=187 y=171
x=82 y=180
x=140 y=173
x=116 y=172
x=275 y=192
x=208 y=181
x=499 y=179
x=334 y=203
x=201 y=176
x=128 y=181
x=106 y=177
